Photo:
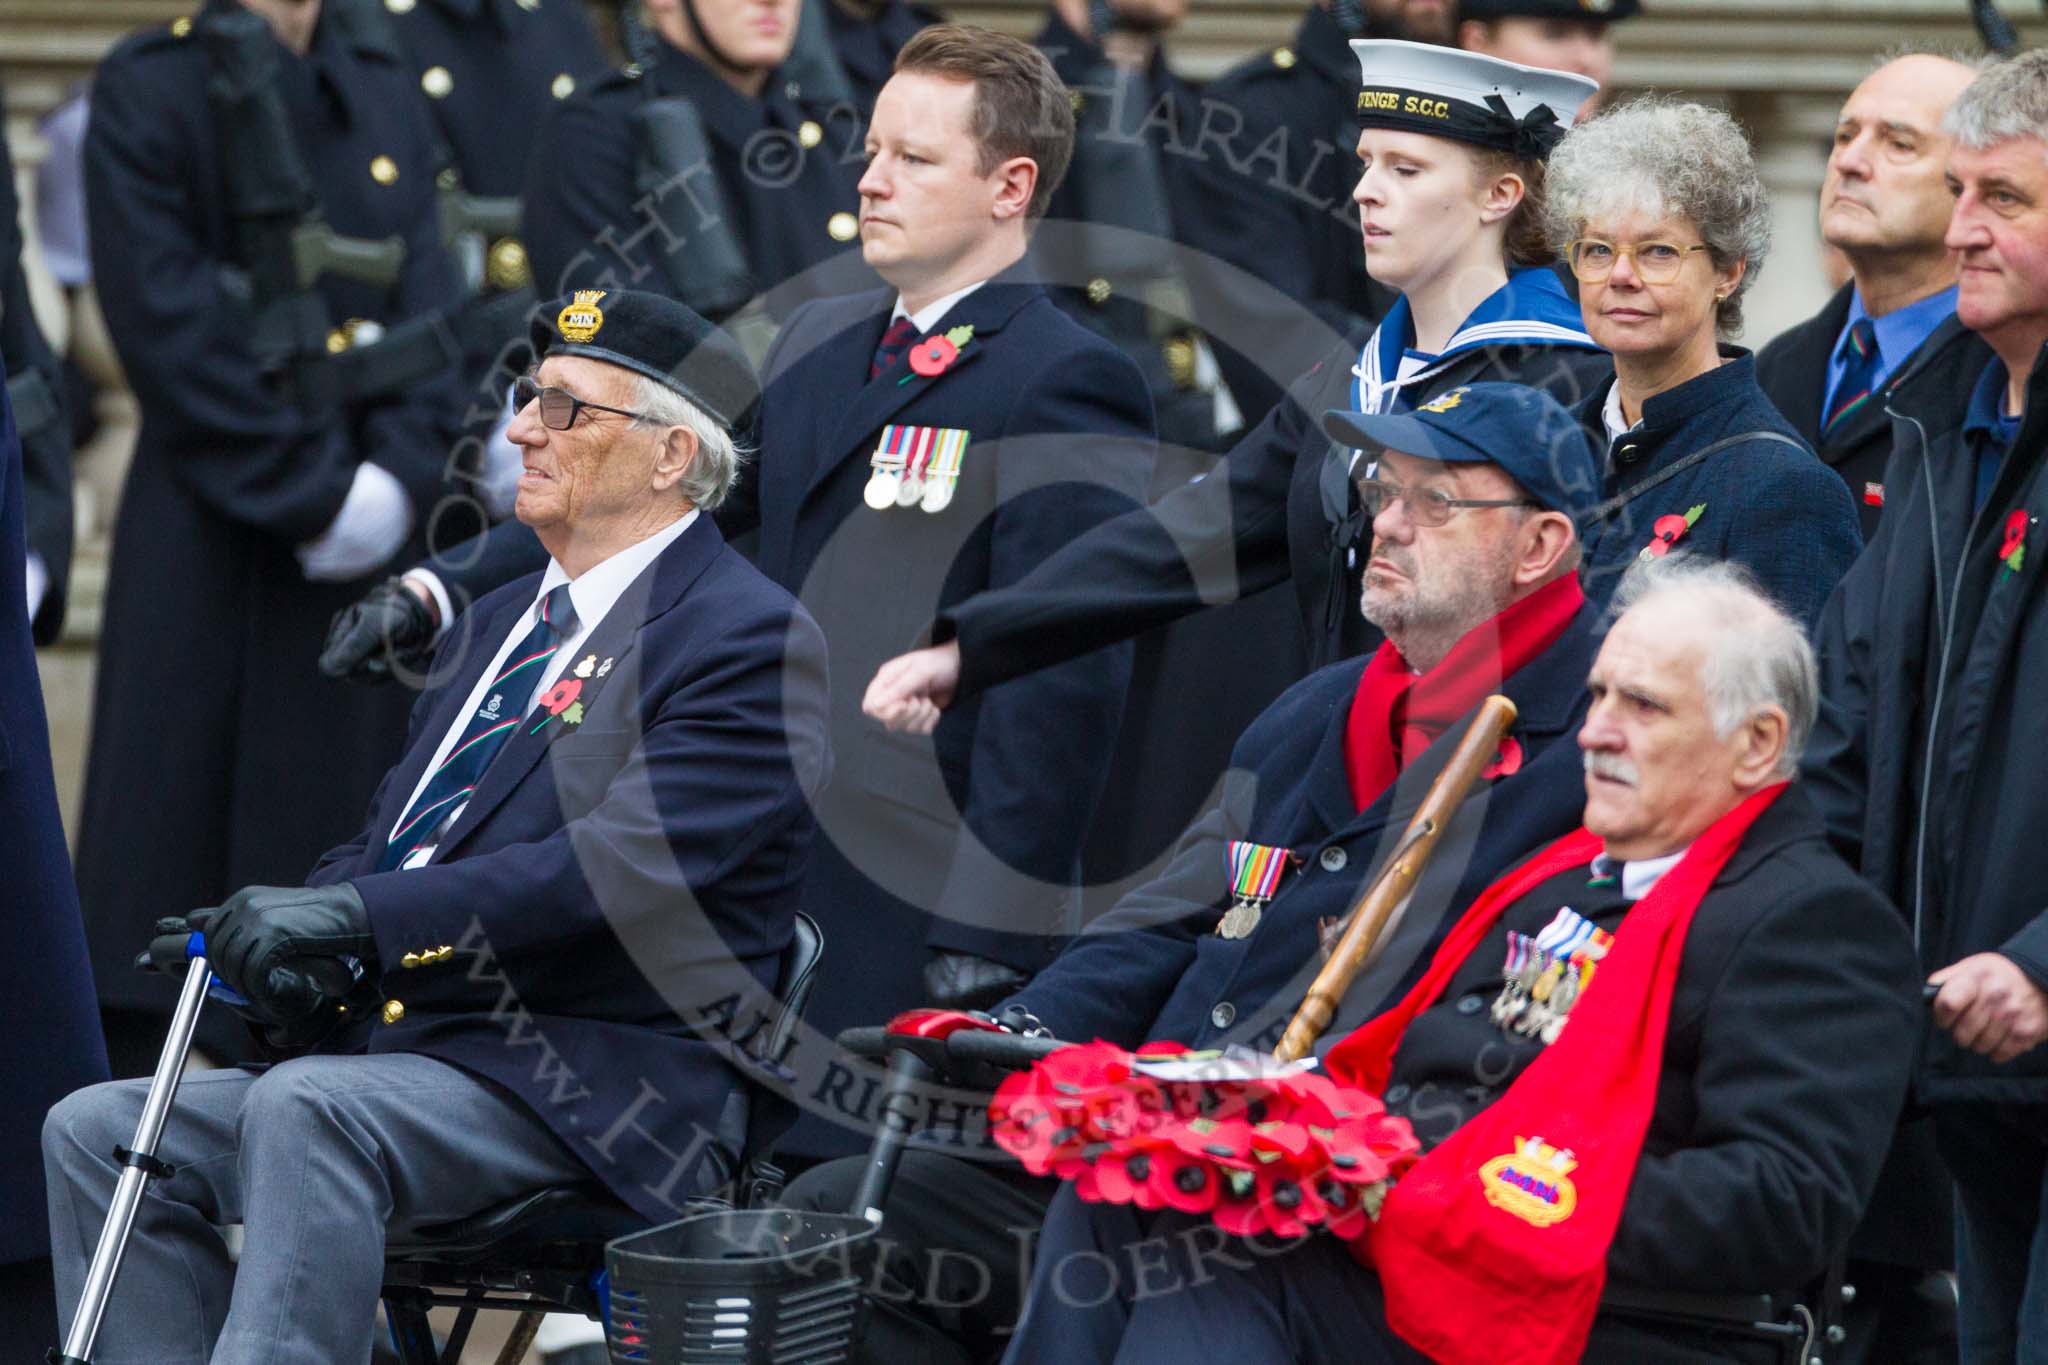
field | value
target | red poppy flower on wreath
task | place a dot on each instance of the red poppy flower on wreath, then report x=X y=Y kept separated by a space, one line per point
x=1506 y=763
x=2013 y=551
x=557 y=698
x=1666 y=531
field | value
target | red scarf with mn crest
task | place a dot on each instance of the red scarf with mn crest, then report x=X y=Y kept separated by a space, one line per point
x=1508 y=1220
x=1397 y=713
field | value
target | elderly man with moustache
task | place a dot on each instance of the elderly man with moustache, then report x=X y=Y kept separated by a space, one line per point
x=1473 y=580
x=599 y=827
x=1927 y=754
x=1885 y=206
x=1707 y=1111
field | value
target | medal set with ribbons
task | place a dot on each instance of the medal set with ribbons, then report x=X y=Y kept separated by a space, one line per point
x=1255 y=872
x=916 y=467
x=1546 y=975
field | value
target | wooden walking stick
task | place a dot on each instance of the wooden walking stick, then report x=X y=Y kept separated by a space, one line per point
x=1369 y=914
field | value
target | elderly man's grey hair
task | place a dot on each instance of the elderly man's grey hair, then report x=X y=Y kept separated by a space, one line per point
x=1664 y=159
x=2009 y=100
x=717 y=464
x=1756 y=655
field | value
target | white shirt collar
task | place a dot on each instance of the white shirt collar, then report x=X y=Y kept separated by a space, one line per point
x=927 y=317
x=1611 y=414
x=600 y=586
x=1639 y=875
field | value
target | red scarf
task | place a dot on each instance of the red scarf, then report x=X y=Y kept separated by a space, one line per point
x=1494 y=1226
x=1398 y=713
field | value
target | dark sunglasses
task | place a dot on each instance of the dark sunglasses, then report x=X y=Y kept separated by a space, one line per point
x=559 y=407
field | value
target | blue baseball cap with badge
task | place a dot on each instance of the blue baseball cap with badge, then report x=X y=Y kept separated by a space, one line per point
x=1524 y=431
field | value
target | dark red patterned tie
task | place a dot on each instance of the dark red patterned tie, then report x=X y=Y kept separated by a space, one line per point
x=895 y=342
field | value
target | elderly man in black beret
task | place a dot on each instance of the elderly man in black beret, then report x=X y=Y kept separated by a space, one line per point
x=598 y=829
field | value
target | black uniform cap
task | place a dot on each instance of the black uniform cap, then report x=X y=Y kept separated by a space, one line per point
x=654 y=336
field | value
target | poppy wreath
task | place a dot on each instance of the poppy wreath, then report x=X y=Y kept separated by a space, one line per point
x=1283 y=1155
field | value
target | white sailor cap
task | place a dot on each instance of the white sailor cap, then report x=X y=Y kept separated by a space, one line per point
x=1447 y=92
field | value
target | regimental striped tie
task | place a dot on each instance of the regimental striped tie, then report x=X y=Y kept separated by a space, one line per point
x=1859 y=354
x=889 y=352
x=504 y=703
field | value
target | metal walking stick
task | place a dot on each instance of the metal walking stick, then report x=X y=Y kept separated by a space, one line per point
x=139 y=1166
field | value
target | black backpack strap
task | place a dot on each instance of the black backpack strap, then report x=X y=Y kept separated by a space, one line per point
x=1606 y=511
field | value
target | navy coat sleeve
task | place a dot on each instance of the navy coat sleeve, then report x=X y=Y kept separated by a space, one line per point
x=1041 y=744
x=184 y=341
x=1800 y=538
x=1114 y=980
x=582 y=165
x=1805 y=1047
x=718 y=772
x=1210 y=541
x=1836 y=765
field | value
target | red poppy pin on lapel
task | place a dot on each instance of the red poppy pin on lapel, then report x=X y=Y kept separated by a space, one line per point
x=1666 y=531
x=1506 y=763
x=2013 y=551
x=935 y=354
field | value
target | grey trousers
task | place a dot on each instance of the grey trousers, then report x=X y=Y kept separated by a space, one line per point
x=317 y=1158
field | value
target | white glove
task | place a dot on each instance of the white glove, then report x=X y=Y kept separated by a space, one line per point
x=374 y=520
x=38 y=583
x=503 y=463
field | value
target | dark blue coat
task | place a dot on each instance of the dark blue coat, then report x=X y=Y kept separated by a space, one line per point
x=968 y=840
x=611 y=882
x=205 y=687
x=491 y=70
x=1773 y=508
x=1152 y=969
x=867 y=47
x=44 y=976
x=588 y=225
x=46 y=448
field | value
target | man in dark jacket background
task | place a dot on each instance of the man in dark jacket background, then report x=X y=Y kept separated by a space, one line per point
x=1885 y=206
x=1924 y=762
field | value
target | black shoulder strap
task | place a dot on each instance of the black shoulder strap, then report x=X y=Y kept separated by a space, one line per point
x=1605 y=511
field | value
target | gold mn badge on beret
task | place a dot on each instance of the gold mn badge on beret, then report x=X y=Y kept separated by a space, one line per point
x=581 y=317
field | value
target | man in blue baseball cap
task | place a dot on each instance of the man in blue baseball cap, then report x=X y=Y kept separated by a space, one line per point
x=1473 y=580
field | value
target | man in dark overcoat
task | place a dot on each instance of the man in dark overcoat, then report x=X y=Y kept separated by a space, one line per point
x=44 y=975
x=918 y=444
x=1885 y=206
x=595 y=836
x=1923 y=757
x=259 y=503
x=1483 y=600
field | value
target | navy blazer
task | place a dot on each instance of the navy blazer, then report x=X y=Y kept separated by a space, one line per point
x=1772 y=507
x=616 y=893
x=44 y=977
x=968 y=840
x=1153 y=970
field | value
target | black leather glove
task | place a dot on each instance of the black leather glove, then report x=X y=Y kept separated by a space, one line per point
x=299 y=995
x=258 y=942
x=389 y=629
x=963 y=981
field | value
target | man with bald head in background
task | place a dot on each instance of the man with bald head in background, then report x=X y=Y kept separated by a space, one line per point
x=1885 y=206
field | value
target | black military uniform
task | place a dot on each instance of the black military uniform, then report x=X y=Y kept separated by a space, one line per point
x=773 y=177
x=867 y=42
x=35 y=389
x=1273 y=152
x=208 y=722
x=1106 y=240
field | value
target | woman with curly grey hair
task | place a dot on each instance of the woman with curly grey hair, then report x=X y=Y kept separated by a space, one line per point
x=1658 y=209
